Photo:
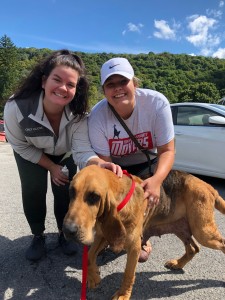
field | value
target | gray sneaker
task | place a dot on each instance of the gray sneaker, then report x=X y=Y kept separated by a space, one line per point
x=36 y=249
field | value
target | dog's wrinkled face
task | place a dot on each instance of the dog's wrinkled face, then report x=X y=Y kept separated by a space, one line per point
x=87 y=193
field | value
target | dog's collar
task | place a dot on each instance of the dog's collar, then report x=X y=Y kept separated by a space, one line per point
x=129 y=194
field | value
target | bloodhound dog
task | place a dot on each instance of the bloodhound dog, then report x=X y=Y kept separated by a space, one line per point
x=186 y=209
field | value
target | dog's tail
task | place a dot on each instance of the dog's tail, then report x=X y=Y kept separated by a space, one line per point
x=220 y=204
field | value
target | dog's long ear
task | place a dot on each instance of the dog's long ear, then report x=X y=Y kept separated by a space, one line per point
x=112 y=227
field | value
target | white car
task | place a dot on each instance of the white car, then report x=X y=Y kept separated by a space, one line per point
x=199 y=138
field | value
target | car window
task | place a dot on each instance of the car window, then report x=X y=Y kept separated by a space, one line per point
x=193 y=115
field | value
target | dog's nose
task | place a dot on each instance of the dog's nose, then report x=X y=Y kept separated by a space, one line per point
x=70 y=230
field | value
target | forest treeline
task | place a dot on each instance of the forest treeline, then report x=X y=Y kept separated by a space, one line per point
x=180 y=77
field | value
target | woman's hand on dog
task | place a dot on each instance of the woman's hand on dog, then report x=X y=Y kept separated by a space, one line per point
x=112 y=167
x=151 y=191
x=106 y=163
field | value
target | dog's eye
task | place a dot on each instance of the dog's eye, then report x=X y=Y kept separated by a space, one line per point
x=72 y=193
x=92 y=198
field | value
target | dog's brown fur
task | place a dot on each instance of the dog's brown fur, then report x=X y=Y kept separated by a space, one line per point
x=186 y=209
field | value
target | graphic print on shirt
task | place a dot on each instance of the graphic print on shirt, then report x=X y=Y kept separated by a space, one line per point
x=116 y=132
x=125 y=146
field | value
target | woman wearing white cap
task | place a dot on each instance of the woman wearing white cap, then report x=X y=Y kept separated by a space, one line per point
x=148 y=116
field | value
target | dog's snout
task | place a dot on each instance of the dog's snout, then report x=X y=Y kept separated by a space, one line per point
x=70 y=230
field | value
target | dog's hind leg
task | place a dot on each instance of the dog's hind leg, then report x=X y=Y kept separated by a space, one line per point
x=191 y=248
x=201 y=216
x=182 y=230
x=208 y=235
x=202 y=220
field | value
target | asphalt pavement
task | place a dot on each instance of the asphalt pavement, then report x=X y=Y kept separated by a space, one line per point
x=58 y=277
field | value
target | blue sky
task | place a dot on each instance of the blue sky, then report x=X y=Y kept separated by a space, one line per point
x=195 y=27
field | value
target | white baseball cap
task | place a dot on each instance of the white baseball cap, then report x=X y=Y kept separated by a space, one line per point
x=116 y=66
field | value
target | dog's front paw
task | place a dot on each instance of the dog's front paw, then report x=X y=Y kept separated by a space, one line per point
x=118 y=296
x=173 y=265
x=93 y=279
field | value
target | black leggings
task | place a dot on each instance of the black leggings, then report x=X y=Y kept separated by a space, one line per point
x=34 y=184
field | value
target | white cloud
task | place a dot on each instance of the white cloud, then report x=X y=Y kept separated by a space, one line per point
x=221 y=3
x=216 y=13
x=164 y=31
x=133 y=28
x=205 y=32
x=200 y=23
x=200 y=27
x=220 y=53
x=206 y=51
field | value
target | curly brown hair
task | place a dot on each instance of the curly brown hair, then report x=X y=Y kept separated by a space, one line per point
x=33 y=83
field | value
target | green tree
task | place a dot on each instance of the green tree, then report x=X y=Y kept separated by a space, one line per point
x=222 y=93
x=8 y=68
x=95 y=95
x=203 y=92
x=179 y=77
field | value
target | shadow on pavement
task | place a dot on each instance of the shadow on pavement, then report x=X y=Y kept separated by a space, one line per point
x=58 y=277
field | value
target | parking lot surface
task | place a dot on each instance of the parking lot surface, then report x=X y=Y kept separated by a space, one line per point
x=58 y=277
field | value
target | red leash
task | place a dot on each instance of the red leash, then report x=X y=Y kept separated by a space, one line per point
x=85 y=248
x=84 y=273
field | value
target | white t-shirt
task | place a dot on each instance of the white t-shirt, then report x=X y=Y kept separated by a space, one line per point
x=151 y=123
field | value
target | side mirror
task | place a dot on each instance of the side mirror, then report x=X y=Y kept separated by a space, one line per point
x=217 y=120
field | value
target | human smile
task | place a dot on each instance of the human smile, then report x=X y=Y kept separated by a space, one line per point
x=119 y=95
x=60 y=95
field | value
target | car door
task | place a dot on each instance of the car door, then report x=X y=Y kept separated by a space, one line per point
x=199 y=144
